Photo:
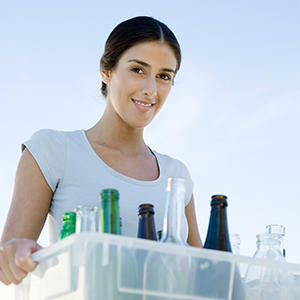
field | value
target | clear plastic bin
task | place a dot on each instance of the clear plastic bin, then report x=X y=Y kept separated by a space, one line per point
x=92 y=266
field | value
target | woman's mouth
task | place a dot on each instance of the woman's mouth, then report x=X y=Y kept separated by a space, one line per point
x=142 y=105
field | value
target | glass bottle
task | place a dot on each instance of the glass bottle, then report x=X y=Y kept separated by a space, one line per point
x=109 y=215
x=280 y=229
x=146 y=230
x=213 y=277
x=235 y=241
x=264 y=280
x=146 y=226
x=69 y=224
x=86 y=219
x=217 y=237
x=121 y=268
x=170 y=266
x=268 y=246
x=110 y=218
x=174 y=212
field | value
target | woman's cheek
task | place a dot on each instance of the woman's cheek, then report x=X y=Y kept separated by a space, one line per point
x=164 y=91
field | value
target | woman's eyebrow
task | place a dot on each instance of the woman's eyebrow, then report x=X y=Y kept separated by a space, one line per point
x=147 y=65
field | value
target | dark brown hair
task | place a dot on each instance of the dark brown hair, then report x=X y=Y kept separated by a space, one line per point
x=131 y=32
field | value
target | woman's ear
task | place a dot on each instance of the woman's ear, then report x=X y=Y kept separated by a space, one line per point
x=106 y=76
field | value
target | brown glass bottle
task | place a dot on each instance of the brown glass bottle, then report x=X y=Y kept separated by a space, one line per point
x=217 y=237
x=146 y=226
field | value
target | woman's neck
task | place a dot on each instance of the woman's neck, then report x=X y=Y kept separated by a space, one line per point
x=111 y=131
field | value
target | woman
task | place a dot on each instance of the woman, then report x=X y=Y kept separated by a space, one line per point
x=60 y=170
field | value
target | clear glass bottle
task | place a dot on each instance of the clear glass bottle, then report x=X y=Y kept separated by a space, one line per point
x=171 y=266
x=268 y=246
x=264 y=280
x=235 y=241
x=280 y=229
x=86 y=219
x=174 y=212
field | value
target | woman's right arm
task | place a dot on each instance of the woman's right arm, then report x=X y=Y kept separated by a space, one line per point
x=27 y=214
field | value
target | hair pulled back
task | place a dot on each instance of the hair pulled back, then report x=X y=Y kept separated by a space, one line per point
x=131 y=32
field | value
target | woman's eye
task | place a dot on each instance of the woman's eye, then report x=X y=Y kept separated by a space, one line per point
x=137 y=70
x=165 y=77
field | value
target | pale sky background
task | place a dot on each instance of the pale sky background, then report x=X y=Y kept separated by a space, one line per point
x=232 y=116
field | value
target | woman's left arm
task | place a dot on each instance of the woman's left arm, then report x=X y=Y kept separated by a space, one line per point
x=193 y=236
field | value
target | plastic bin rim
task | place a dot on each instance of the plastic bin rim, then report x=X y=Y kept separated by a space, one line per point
x=124 y=241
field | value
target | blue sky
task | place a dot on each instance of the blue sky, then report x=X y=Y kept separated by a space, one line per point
x=232 y=116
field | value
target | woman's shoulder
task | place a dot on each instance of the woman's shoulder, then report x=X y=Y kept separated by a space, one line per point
x=50 y=137
x=46 y=133
x=49 y=149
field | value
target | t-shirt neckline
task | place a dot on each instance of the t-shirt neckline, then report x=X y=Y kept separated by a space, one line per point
x=123 y=176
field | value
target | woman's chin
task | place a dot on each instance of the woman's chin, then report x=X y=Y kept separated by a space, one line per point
x=140 y=124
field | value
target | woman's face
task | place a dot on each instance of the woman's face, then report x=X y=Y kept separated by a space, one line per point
x=141 y=81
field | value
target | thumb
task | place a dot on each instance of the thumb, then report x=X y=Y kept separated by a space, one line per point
x=23 y=257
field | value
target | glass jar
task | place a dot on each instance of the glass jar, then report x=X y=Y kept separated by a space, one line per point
x=280 y=229
x=268 y=246
x=267 y=281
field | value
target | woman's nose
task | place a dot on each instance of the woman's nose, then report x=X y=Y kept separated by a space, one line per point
x=150 y=88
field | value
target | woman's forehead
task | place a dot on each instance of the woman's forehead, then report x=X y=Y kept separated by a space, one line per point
x=154 y=53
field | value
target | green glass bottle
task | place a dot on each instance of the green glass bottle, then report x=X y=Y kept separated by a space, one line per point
x=110 y=216
x=123 y=262
x=69 y=224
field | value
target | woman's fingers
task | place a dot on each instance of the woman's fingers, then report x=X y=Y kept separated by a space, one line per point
x=16 y=260
x=18 y=272
x=6 y=273
x=3 y=278
x=24 y=261
x=11 y=250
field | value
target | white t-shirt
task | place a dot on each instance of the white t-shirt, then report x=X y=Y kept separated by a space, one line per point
x=76 y=175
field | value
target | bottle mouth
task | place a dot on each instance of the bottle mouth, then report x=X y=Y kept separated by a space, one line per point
x=109 y=193
x=220 y=200
x=69 y=216
x=86 y=209
x=146 y=208
x=235 y=238
x=276 y=228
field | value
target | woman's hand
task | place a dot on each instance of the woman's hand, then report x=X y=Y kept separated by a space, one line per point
x=16 y=261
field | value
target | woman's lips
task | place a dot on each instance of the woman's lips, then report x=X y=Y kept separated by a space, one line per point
x=142 y=105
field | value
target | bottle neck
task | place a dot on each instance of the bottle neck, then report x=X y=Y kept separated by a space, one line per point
x=268 y=240
x=110 y=219
x=105 y=215
x=217 y=235
x=265 y=245
x=268 y=245
x=174 y=212
x=146 y=227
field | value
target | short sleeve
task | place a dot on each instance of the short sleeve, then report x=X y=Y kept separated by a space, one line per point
x=48 y=147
